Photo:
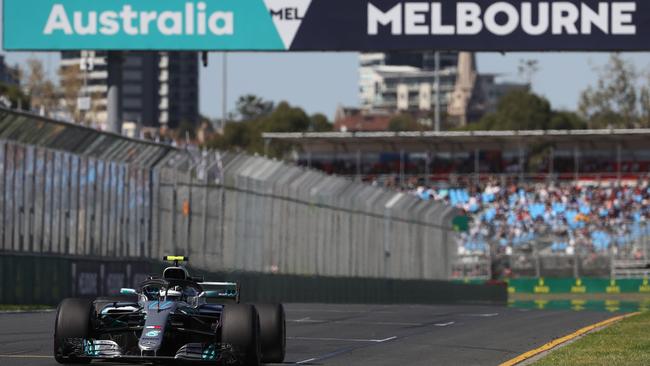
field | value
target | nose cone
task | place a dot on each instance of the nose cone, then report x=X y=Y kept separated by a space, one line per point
x=154 y=328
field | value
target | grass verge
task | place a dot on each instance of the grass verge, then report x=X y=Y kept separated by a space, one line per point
x=623 y=343
x=4 y=307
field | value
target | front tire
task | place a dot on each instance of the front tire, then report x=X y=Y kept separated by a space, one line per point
x=72 y=321
x=240 y=328
x=272 y=332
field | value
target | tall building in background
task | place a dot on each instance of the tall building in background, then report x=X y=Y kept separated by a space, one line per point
x=405 y=81
x=158 y=88
x=395 y=82
x=424 y=60
x=468 y=101
x=179 y=90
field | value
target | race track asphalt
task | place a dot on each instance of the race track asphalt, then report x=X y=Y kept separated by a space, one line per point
x=324 y=334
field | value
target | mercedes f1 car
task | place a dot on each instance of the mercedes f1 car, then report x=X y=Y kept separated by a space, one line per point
x=171 y=318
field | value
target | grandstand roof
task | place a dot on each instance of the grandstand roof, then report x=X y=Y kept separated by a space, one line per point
x=420 y=141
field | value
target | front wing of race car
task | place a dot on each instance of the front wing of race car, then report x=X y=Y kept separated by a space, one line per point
x=107 y=350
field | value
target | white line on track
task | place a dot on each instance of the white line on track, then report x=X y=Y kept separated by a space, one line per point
x=309 y=320
x=344 y=339
x=444 y=324
x=305 y=361
x=338 y=311
x=306 y=320
x=488 y=315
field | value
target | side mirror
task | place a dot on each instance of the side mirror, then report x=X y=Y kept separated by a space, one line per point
x=128 y=291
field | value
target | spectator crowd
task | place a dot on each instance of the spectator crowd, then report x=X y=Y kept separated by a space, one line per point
x=561 y=218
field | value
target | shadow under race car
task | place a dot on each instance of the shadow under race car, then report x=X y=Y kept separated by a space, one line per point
x=168 y=319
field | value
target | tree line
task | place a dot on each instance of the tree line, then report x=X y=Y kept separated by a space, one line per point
x=254 y=116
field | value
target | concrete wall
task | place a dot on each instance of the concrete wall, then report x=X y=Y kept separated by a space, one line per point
x=47 y=280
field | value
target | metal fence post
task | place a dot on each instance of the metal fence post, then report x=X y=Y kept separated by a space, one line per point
x=174 y=212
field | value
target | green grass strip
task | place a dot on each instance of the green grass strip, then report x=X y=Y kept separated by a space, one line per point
x=626 y=342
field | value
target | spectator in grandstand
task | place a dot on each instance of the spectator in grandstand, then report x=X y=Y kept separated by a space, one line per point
x=594 y=218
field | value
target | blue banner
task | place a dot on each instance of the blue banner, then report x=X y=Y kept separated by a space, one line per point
x=326 y=25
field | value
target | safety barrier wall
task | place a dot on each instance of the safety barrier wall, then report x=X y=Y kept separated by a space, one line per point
x=46 y=280
x=73 y=191
x=62 y=203
x=238 y=212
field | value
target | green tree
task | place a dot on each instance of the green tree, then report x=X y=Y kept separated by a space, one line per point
x=40 y=89
x=14 y=94
x=285 y=118
x=564 y=120
x=70 y=81
x=247 y=135
x=644 y=101
x=613 y=101
x=250 y=106
x=518 y=110
x=319 y=123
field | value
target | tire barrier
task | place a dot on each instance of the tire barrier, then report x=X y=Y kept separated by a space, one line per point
x=47 y=280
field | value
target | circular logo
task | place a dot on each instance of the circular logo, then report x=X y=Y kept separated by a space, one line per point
x=153 y=333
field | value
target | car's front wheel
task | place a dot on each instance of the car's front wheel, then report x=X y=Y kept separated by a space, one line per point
x=240 y=328
x=72 y=323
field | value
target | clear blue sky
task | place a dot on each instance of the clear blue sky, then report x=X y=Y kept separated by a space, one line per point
x=318 y=82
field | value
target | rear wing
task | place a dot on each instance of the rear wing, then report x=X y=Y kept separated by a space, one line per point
x=221 y=290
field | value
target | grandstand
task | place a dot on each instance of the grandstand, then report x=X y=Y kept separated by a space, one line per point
x=448 y=156
x=541 y=203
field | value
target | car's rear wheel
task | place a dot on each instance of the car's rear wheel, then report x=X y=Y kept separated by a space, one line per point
x=240 y=328
x=72 y=322
x=272 y=332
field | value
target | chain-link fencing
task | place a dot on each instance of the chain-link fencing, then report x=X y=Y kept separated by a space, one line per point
x=239 y=212
x=69 y=190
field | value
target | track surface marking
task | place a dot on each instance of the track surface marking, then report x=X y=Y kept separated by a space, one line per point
x=321 y=334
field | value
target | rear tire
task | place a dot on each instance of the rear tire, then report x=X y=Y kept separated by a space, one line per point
x=240 y=328
x=72 y=321
x=272 y=332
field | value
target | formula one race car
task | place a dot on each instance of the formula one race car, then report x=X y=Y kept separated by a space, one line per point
x=167 y=319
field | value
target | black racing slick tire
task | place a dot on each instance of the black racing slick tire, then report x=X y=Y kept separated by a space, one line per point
x=272 y=332
x=72 y=321
x=240 y=328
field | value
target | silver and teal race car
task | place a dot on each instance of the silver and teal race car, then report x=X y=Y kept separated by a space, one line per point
x=167 y=319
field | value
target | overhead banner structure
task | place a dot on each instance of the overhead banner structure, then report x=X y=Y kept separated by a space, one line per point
x=326 y=25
